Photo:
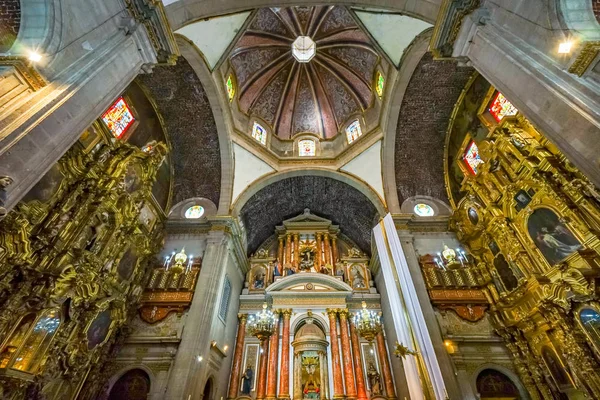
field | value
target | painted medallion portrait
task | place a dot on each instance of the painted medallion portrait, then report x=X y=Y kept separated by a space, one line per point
x=551 y=236
x=127 y=264
x=99 y=329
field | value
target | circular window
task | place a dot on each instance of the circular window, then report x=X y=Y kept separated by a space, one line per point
x=424 y=210
x=194 y=212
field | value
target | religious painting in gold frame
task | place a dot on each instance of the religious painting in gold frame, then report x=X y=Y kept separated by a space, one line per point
x=99 y=329
x=358 y=277
x=557 y=369
x=259 y=278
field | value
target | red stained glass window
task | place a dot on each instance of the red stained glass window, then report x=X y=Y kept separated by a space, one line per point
x=501 y=108
x=118 y=118
x=472 y=158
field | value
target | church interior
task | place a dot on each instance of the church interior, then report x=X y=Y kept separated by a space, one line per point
x=299 y=200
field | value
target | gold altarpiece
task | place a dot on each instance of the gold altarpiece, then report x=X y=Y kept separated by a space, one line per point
x=531 y=221
x=73 y=255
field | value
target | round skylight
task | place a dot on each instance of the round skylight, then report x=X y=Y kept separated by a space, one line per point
x=424 y=210
x=304 y=49
x=194 y=212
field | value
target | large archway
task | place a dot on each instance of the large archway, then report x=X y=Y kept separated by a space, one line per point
x=132 y=385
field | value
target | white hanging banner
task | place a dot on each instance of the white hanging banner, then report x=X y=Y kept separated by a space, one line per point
x=412 y=305
x=399 y=315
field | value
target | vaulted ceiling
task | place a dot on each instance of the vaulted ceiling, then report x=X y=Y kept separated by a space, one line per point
x=320 y=96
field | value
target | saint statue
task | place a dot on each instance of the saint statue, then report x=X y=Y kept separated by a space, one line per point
x=247 y=381
x=374 y=379
x=307 y=261
x=358 y=279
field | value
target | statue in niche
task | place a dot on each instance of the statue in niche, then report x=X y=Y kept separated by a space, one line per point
x=355 y=252
x=276 y=267
x=93 y=232
x=358 y=279
x=259 y=279
x=307 y=260
x=288 y=270
x=374 y=379
x=247 y=381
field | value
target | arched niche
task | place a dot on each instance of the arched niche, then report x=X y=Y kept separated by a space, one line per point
x=134 y=384
x=503 y=371
x=493 y=384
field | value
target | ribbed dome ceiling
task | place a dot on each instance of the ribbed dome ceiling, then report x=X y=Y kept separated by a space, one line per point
x=319 y=96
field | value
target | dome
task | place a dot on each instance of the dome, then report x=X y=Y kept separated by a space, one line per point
x=310 y=330
x=305 y=70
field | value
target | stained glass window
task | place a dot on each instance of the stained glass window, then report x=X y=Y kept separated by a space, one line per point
x=353 y=131
x=230 y=88
x=379 y=84
x=472 y=158
x=259 y=133
x=306 y=148
x=118 y=118
x=424 y=210
x=194 y=212
x=501 y=108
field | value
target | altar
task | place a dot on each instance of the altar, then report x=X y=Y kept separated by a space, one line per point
x=313 y=279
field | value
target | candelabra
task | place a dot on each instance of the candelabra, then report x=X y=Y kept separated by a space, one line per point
x=180 y=259
x=262 y=324
x=367 y=322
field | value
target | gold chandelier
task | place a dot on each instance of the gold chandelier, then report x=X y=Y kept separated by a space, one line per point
x=262 y=324
x=367 y=322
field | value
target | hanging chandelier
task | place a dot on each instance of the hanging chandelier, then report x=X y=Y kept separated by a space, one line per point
x=367 y=323
x=262 y=324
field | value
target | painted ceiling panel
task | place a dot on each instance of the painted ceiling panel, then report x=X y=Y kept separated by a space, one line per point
x=295 y=97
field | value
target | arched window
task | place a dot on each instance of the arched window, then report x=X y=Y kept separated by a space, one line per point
x=259 y=133
x=26 y=348
x=194 y=212
x=589 y=318
x=133 y=385
x=424 y=210
x=307 y=148
x=230 y=87
x=353 y=131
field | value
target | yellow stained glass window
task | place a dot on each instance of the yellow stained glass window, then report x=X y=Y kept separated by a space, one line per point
x=230 y=88
x=379 y=84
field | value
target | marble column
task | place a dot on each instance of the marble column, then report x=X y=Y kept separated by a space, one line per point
x=284 y=381
x=347 y=356
x=386 y=371
x=324 y=375
x=280 y=253
x=262 y=370
x=319 y=251
x=327 y=249
x=296 y=250
x=361 y=387
x=288 y=248
x=338 y=384
x=297 y=377
x=234 y=381
x=273 y=361
x=334 y=251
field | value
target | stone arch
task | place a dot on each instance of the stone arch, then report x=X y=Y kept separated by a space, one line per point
x=504 y=371
x=580 y=16
x=320 y=190
x=298 y=320
x=208 y=391
x=191 y=53
x=410 y=60
x=40 y=26
x=183 y=12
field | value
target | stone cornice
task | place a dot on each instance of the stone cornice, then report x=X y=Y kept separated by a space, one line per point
x=411 y=222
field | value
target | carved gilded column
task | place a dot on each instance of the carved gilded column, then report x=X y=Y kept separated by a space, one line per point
x=327 y=249
x=280 y=252
x=296 y=250
x=273 y=361
x=338 y=384
x=347 y=356
x=334 y=251
x=361 y=388
x=288 y=248
x=234 y=382
x=386 y=371
x=262 y=370
x=284 y=381
x=319 y=244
